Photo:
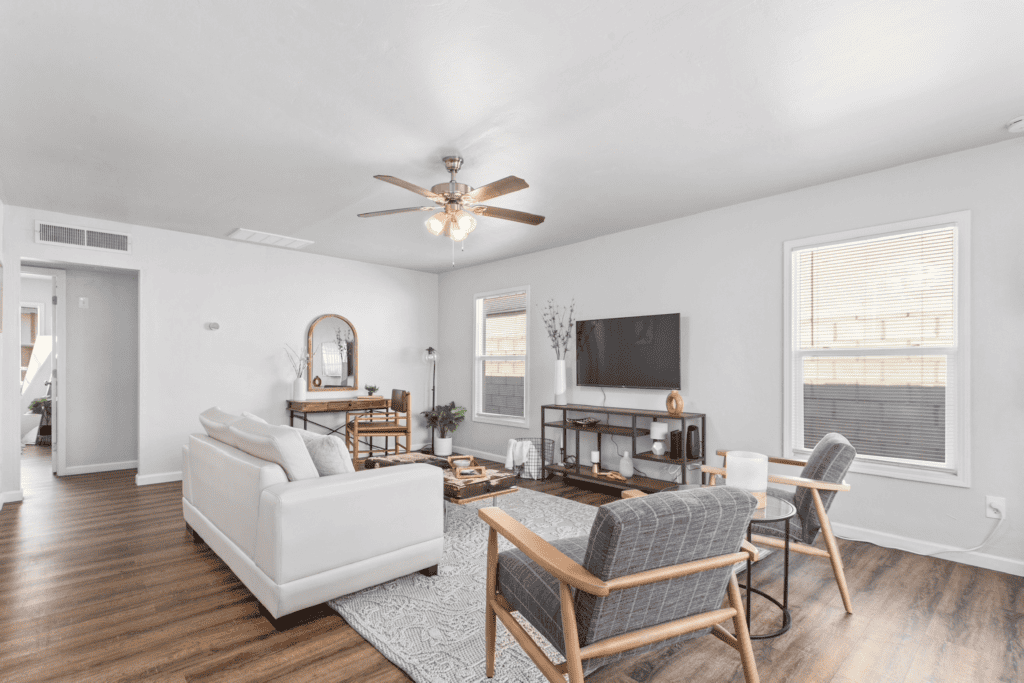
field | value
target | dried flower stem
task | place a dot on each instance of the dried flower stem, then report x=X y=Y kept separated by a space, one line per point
x=559 y=323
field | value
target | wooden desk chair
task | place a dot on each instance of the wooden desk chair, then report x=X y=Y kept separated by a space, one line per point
x=653 y=571
x=822 y=477
x=393 y=422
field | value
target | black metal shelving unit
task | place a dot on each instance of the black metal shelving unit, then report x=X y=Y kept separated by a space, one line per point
x=578 y=474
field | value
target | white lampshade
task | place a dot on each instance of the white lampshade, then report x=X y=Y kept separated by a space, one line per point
x=435 y=224
x=465 y=220
x=659 y=431
x=748 y=471
x=595 y=457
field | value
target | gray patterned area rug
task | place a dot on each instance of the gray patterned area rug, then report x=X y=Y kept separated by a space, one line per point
x=433 y=628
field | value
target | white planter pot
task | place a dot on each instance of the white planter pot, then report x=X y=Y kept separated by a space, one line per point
x=560 y=398
x=443 y=447
x=299 y=389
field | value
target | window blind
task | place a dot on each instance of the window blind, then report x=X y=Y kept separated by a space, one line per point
x=875 y=343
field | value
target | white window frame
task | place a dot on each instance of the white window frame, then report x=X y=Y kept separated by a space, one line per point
x=957 y=470
x=478 y=374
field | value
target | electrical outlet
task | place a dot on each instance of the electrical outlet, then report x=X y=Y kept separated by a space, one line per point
x=995 y=507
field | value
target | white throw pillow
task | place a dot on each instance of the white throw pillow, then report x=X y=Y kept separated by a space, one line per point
x=279 y=445
x=255 y=418
x=329 y=453
x=216 y=423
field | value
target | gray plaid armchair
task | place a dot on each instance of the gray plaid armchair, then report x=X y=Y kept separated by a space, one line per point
x=653 y=571
x=819 y=481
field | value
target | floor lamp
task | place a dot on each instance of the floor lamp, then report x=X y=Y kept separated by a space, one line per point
x=430 y=356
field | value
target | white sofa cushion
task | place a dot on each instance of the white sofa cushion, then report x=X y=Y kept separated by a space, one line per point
x=216 y=422
x=330 y=454
x=281 y=445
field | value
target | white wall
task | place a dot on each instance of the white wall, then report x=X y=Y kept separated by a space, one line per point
x=102 y=367
x=262 y=298
x=722 y=270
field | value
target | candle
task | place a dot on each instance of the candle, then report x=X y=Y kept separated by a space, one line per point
x=595 y=457
x=748 y=471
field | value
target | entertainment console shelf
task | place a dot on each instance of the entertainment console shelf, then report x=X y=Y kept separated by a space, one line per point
x=584 y=475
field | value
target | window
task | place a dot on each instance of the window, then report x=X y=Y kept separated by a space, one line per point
x=876 y=339
x=501 y=357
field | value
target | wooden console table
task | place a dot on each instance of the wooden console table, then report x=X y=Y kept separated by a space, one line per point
x=345 y=405
x=581 y=473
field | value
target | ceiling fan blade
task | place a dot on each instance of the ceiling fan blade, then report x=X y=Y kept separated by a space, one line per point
x=508 y=214
x=409 y=186
x=495 y=189
x=390 y=211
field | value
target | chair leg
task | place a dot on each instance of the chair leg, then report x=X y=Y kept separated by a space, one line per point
x=739 y=623
x=833 y=551
x=573 y=662
x=490 y=619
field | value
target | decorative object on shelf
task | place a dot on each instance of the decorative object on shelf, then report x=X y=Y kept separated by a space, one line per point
x=583 y=421
x=371 y=389
x=693 y=450
x=614 y=476
x=299 y=363
x=748 y=471
x=317 y=381
x=559 y=323
x=445 y=419
x=676 y=449
x=626 y=464
x=674 y=404
x=465 y=467
x=595 y=459
x=659 y=432
x=430 y=356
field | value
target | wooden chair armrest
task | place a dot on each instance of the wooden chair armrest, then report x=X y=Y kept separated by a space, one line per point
x=751 y=550
x=787 y=461
x=722 y=453
x=543 y=553
x=709 y=469
x=808 y=483
x=676 y=570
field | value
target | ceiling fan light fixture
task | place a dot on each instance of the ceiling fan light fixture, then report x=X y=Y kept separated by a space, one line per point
x=435 y=224
x=465 y=221
x=457 y=232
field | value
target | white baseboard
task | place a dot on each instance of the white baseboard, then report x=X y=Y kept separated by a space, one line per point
x=493 y=457
x=160 y=478
x=100 y=467
x=913 y=545
x=11 y=497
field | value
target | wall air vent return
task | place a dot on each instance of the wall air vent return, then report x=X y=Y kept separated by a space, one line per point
x=49 y=233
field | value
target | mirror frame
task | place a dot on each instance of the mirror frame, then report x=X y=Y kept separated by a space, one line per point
x=309 y=358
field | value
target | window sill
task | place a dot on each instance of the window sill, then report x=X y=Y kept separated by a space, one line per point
x=881 y=468
x=506 y=421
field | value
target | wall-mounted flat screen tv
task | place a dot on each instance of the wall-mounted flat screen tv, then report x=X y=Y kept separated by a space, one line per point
x=641 y=352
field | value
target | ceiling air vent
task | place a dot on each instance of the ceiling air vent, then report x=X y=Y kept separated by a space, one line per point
x=49 y=233
x=269 y=239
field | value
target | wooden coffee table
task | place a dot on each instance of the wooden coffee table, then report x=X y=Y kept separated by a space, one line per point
x=458 y=491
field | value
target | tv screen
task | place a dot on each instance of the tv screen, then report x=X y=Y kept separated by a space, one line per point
x=640 y=352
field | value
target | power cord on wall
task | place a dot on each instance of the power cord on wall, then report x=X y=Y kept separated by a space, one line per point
x=1002 y=518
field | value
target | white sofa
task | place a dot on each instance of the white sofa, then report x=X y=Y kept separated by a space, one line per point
x=297 y=544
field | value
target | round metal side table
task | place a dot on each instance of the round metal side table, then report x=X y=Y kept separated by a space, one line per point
x=775 y=510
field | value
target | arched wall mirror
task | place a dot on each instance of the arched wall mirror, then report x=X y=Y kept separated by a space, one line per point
x=333 y=349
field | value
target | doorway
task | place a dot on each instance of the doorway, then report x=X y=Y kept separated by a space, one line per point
x=38 y=346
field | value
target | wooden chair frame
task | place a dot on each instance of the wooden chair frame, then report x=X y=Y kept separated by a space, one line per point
x=832 y=547
x=571 y=574
x=361 y=425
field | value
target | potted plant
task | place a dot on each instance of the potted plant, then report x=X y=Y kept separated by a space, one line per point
x=445 y=419
x=39 y=405
x=371 y=389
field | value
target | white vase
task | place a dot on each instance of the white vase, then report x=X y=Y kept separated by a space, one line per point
x=299 y=389
x=560 y=382
x=443 y=447
x=626 y=465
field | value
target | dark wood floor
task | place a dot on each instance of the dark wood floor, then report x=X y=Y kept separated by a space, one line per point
x=99 y=582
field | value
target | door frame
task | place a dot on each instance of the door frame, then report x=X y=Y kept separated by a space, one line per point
x=58 y=453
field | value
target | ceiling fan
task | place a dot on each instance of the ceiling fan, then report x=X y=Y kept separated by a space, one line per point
x=458 y=202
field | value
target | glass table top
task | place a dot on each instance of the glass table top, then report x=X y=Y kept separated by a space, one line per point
x=775 y=509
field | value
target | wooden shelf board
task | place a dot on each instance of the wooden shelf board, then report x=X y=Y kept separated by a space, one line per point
x=634 y=482
x=617 y=430
x=648 y=455
x=580 y=408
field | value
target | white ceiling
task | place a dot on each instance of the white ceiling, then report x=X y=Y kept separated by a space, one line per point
x=206 y=116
